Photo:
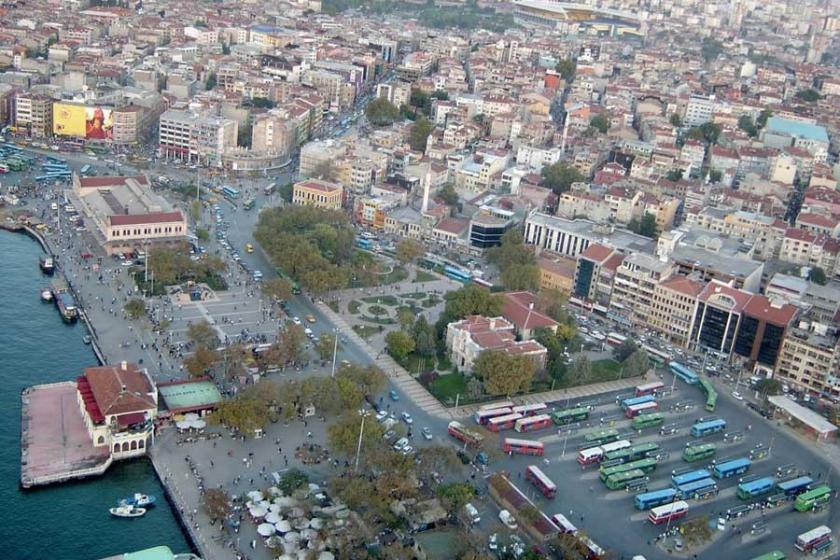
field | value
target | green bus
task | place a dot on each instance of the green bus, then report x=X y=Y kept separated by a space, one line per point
x=711 y=394
x=601 y=437
x=693 y=453
x=562 y=417
x=620 y=480
x=639 y=451
x=249 y=204
x=643 y=421
x=775 y=555
x=645 y=465
x=812 y=498
x=295 y=286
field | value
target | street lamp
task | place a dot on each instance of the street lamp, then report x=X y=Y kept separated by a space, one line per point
x=364 y=414
x=335 y=352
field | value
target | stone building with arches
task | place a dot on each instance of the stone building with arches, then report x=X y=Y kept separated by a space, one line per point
x=119 y=404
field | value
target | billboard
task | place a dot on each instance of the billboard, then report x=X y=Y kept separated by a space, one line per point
x=92 y=123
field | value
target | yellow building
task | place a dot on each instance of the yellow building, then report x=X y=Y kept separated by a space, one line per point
x=557 y=273
x=321 y=194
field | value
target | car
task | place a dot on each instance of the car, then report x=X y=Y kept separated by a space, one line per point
x=296 y=320
x=249 y=248
x=517 y=547
x=394 y=395
x=310 y=318
x=508 y=520
x=737 y=396
x=427 y=433
x=389 y=435
x=381 y=415
x=407 y=450
x=400 y=444
x=406 y=417
x=126 y=263
x=493 y=542
x=308 y=332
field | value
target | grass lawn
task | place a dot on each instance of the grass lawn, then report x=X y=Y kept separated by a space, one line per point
x=397 y=275
x=604 y=370
x=365 y=331
x=382 y=300
x=414 y=363
x=353 y=306
x=445 y=387
x=334 y=306
x=377 y=310
x=377 y=320
x=423 y=276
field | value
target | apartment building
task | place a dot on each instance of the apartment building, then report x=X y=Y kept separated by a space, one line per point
x=810 y=358
x=762 y=329
x=317 y=193
x=34 y=112
x=315 y=155
x=633 y=287
x=132 y=125
x=719 y=309
x=397 y=93
x=572 y=237
x=272 y=133
x=557 y=273
x=698 y=110
x=673 y=308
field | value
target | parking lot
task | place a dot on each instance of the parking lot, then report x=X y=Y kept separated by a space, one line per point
x=610 y=518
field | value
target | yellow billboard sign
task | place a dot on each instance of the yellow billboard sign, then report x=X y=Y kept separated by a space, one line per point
x=94 y=123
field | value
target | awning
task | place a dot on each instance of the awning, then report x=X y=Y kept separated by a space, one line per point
x=131 y=418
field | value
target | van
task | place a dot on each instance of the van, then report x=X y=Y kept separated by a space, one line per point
x=472 y=513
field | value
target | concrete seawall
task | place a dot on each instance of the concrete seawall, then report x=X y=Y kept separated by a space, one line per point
x=178 y=507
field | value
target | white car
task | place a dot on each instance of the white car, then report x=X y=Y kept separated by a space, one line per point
x=407 y=418
x=401 y=443
x=427 y=433
x=296 y=320
x=737 y=396
x=407 y=450
x=381 y=415
x=506 y=518
x=493 y=542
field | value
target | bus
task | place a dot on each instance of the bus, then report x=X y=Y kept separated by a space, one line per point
x=500 y=404
x=756 y=488
x=295 y=286
x=85 y=169
x=668 y=512
x=456 y=273
x=711 y=394
x=774 y=555
x=523 y=447
x=690 y=476
x=655 y=498
x=269 y=190
x=533 y=423
x=703 y=429
x=535 y=476
x=593 y=551
x=461 y=433
x=644 y=408
x=638 y=451
x=365 y=244
x=596 y=454
x=531 y=409
x=484 y=416
x=811 y=540
x=732 y=468
x=698 y=489
x=650 y=388
x=643 y=421
x=812 y=498
x=615 y=339
x=601 y=436
x=645 y=465
x=633 y=401
x=683 y=373
x=506 y=422
x=563 y=524
x=657 y=357
x=570 y=415
x=620 y=480
x=795 y=486
x=249 y=204
x=482 y=282
x=693 y=453
x=230 y=193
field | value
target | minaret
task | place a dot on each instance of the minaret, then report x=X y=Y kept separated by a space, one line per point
x=427 y=184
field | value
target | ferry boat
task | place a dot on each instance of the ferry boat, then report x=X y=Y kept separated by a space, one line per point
x=138 y=500
x=46 y=294
x=64 y=301
x=47 y=264
x=127 y=511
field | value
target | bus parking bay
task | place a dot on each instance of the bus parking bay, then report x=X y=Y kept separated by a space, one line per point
x=582 y=497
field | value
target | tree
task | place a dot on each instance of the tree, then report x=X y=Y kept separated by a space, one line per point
x=291 y=480
x=809 y=95
x=409 y=250
x=419 y=133
x=202 y=333
x=455 y=495
x=761 y=121
x=768 y=386
x=215 y=503
x=424 y=337
x=525 y=277
x=475 y=389
x=276 y=289
x=290 y=344
x=202 y=234
x=696 y=530
x=201 y=361
x=211 y=81
x=368 y=379
x=262 y=103
x=235 y=358
x=245 y=413
x=135 y=308
x=399 y=344
x=420 y=101
x=560 y=176
x=449 y=196
x=711 y=49
x=503 y=373
x=636 y=364
x=707 y=132
x=381 y=112
x=600 y=123
x=581 y=370
x=195 y=210
x=405 y=317
x=746 y=123
x=325 y=170
x=646 y=226
x=566 y=68
x=469 y=300
x=325 y=346
x=343 y=435
x=674 y=175
x=516 y=261
x=715 y=176
x=675 y=120
x=817 y=276
x=625 y=350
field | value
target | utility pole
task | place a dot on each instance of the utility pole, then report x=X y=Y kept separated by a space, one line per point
x=335 y=352
x=359 y=445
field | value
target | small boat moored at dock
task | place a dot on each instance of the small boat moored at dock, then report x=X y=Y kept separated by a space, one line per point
x=86 y=339
x=47 y=264
x=138 y=500
x=64 y=301
x=127 y=511
x=46 y=294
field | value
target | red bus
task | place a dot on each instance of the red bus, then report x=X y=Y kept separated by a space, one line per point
x=563 y=523
x=523 y=447
x=484 y=416
x=538 y=422
x=643 y=408
x=531 y=409
x=649 y=388
x=538 y=478
x=671 y=511
x=460 y=432
x=500 y=404
x=810 y=540
x=506 y=422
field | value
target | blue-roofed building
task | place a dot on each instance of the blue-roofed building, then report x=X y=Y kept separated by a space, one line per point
x=780 y=133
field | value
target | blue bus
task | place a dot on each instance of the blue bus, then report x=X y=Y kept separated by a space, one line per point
x=795 y=486
x=627 y=403
x=457 y=273
x=230 y=192
x=364 y=243
x=692 y=476
x=655 y=498
x=684 y=373
x=756 y=488
x=702 y=429
x=698 y=489
x=732 y=468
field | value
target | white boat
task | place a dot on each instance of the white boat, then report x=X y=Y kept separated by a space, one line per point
x=46 y=294
x=138 y=500
x=127 y=511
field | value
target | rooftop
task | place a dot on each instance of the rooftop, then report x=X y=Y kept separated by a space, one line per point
x=804 y=415
x=189 y=396
x=120 y=389
x=797 y=129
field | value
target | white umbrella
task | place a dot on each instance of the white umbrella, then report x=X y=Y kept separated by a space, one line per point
x=272 y=517
x=296 y=512
x=266 y=529
x=250 y=505
x=264 y=503
x=258 y=512
x=326 y=555
x=308 y=534
x=291 y=537
x=190 y=416
x=285 y=557
x=275 y=491
x=301 y=523
x=183 y=425
x=285 y=501
x=199 y=424
x=283 y=526
x=316 y=523
x=255 y=495
x=274 y=508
